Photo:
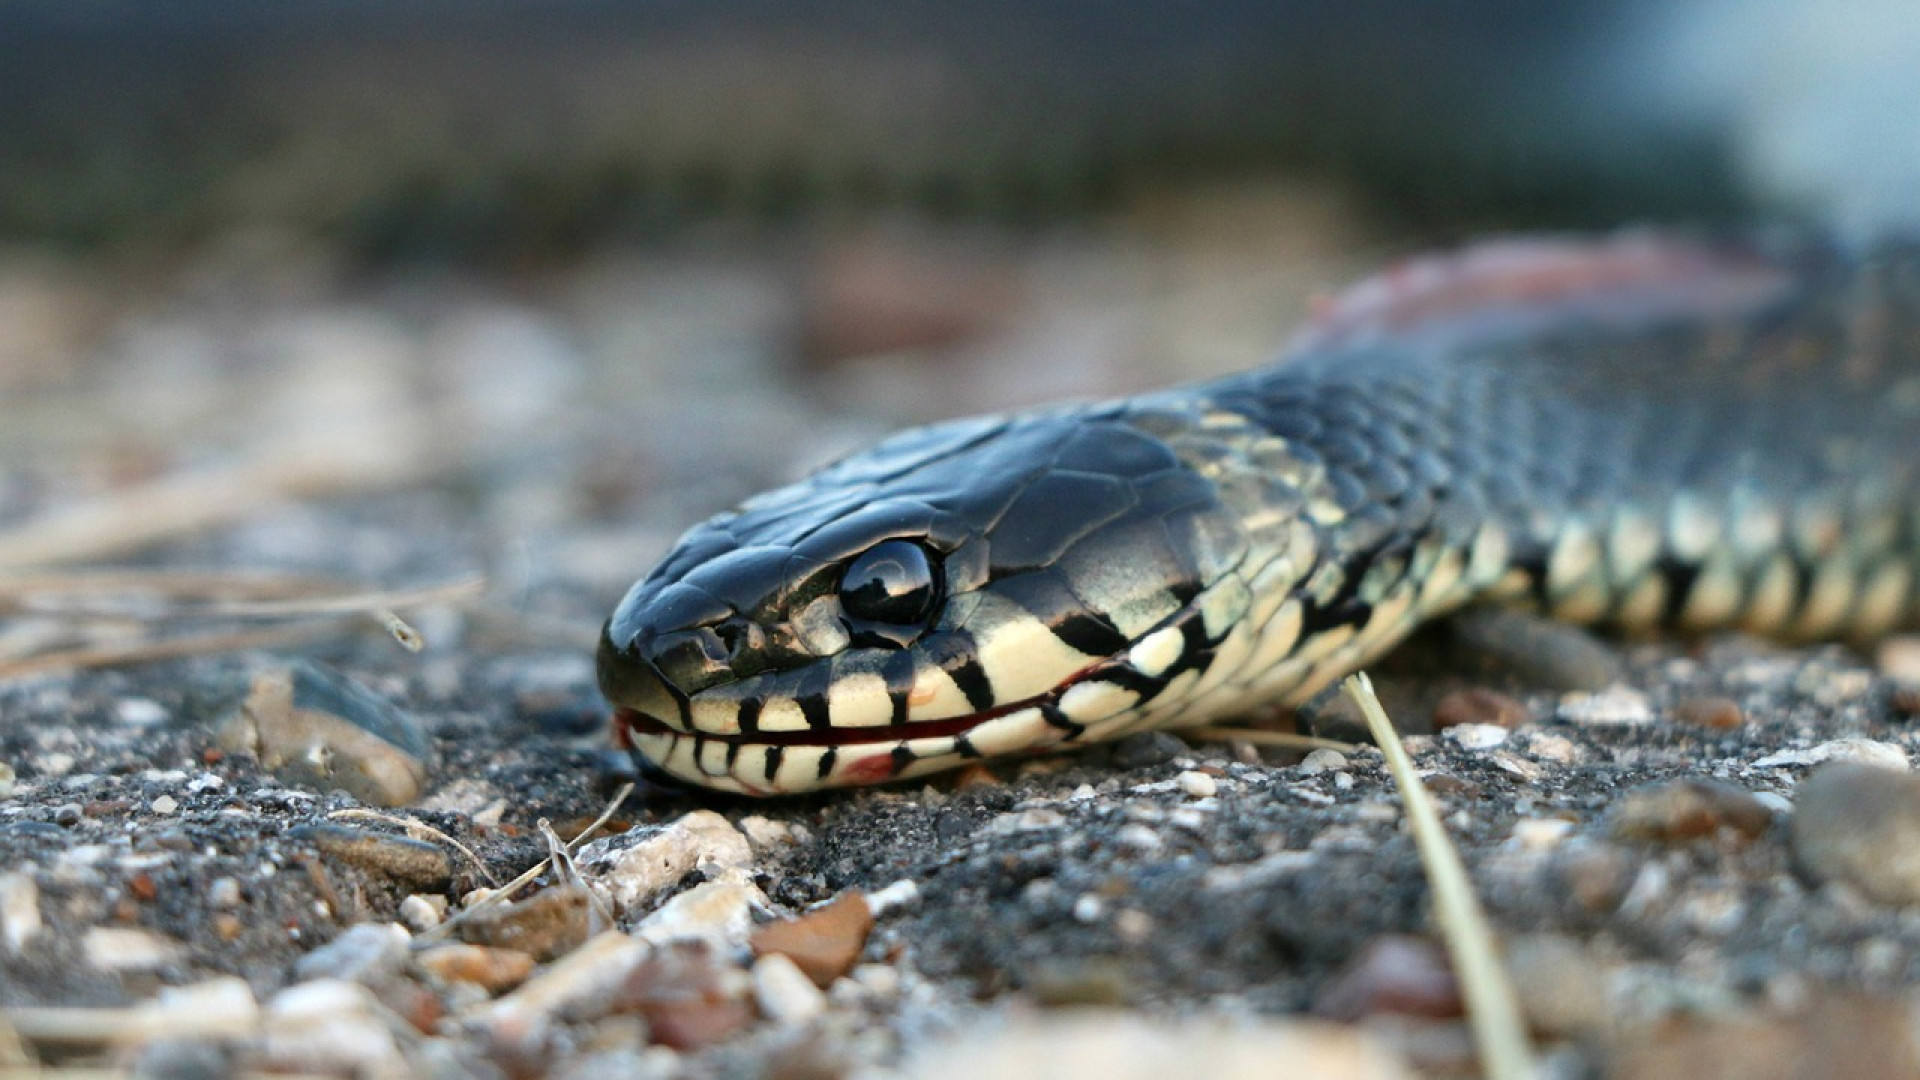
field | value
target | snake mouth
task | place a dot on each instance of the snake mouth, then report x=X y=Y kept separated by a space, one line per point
x=638 y=722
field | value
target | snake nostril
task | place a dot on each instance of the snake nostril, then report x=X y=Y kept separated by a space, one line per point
x=732 y=635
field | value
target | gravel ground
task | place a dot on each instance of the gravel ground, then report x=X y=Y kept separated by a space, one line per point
x=245 y=859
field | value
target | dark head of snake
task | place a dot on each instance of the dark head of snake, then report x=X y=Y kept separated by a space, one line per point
x=1611 y=433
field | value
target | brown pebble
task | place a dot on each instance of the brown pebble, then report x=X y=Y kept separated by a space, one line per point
x=142 y=886
x=825 y=943
x=1860 y=824
x=492 y=969
x=227 y=926
x=689 y=998
x=1905 y=699
x=1595 y=877
x=1855 y=1037
x=1404 y=976
x=412 y=863
x=1718 y=713
x=1451 y=785
x=1678 y=811
x=1479 y=706
x=548 y=924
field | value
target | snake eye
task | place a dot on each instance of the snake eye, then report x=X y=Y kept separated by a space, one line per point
x=892 y=582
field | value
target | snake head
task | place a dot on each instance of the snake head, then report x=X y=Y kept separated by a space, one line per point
x=961 y=591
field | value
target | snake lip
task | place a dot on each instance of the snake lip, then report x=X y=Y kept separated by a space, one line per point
x=636 y=721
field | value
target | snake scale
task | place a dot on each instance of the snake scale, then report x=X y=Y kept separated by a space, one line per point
x=1632 y=432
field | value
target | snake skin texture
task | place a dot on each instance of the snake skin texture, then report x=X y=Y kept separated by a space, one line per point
x=1632 y=433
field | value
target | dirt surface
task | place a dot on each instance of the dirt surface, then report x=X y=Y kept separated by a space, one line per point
x=185 y=844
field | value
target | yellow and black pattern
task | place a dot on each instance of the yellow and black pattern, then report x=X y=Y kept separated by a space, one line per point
x=1635 y=433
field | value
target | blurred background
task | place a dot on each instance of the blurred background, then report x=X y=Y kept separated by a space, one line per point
x=557 y=277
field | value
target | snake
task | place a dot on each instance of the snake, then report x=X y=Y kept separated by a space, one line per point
x=1632 y=432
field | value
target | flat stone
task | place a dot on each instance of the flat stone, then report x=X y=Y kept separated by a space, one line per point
x=579 y=984
x=127 y=949
x=1860 y=824
x=1835 y=1035
x=411 y=864
x=688 y=996
x=638 y=865
x=331 y=1026
x=718 y=912
x=494 y=970
x=1868 y=751
x=1679 y=811
x=824 y=943
x=1116 y=1045
x=548 y=924
x=368 y=954
x=317 y=728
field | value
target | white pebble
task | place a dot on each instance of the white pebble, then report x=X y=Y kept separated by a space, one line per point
x=420 y=914
x=223 y=893
x=783 y=992
x=165 y=804
x=1866 y=751
x=1322 y=760
x=139 y=712
x=901 y=894
x=1197 y=784
x=19 y=910
x=1477 y=736
x=1089 y=908
x=1540 y=834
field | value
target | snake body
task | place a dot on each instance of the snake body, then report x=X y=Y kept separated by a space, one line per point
x=1633 y=432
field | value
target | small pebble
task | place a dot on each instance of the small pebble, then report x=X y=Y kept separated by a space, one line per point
x=1715 y=713
x=785 y=994
x=548 y=924
x=580 y=984
x=1321 y=761
x=1479 y=706
x=1145 y=749
x=901 y=894
x=19 y=910
x=1197 y=785
x=1860 y=824
x=1395 y=974
x=1678 y=811
x=223 y=892
x=719 y=913
x=1866 y=751
x=825 y=942
x=125 y=949
x=1477 y=736
x=67 y=815
x=689 y=998
x=422 y=913
x=1560 y=984
x=139 y=712
x=368 y=954
x=495 y=970
x=413 y=864
x=1540 y=834
x=165 y=804
x=638 y=865
x=1616 y=707
x=328 y=1026
x=1898 y=657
